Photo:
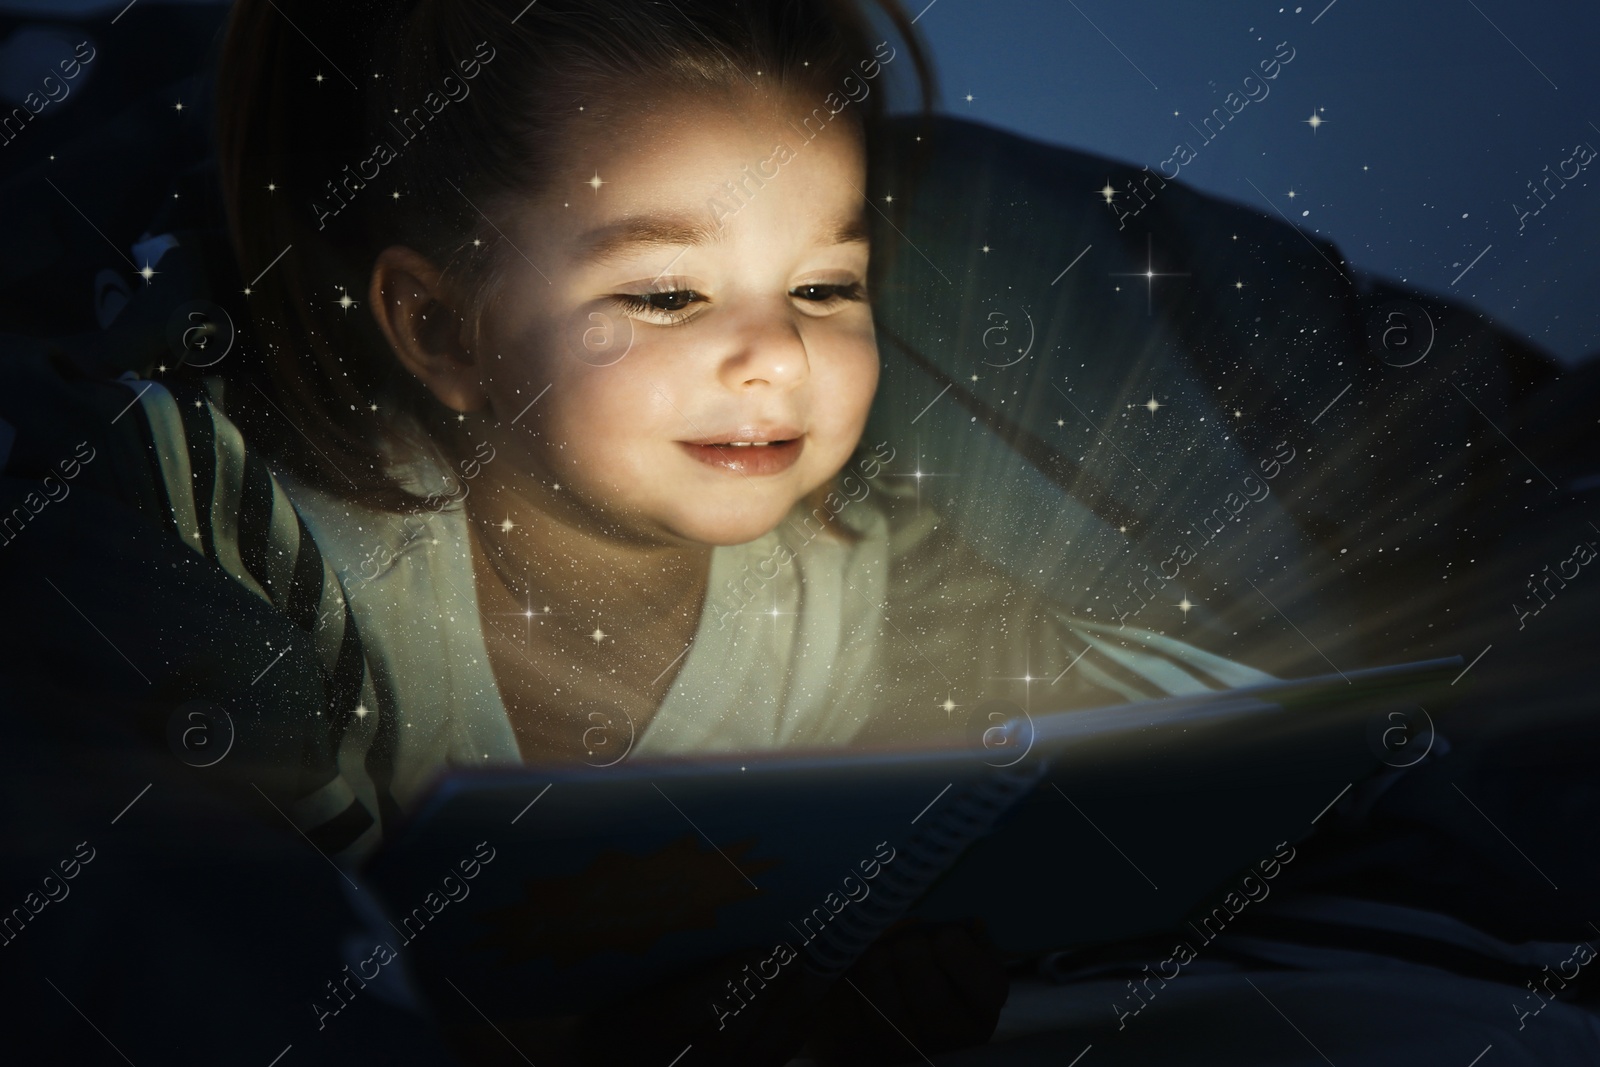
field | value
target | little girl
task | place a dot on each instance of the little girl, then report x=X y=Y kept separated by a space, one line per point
x=566 y=365
x=563 y=356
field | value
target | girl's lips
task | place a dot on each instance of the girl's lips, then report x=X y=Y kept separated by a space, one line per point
x=748 y=459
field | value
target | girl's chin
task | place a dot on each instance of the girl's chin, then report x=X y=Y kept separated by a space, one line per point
x=735 y=528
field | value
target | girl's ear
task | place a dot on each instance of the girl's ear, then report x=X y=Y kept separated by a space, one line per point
x=415 y=314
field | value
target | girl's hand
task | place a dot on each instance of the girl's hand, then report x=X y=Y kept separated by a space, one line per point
x=920 y=990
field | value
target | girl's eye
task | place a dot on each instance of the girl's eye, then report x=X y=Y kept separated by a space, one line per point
x=668 y=307
x=828 y=294
x=665 y=307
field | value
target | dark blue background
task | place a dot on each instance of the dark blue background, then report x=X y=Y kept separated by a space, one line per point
x=1433 y=124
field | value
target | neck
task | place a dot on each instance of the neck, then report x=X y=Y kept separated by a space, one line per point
x=547 y=550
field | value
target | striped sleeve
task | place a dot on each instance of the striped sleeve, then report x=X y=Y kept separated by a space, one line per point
x=225 y=505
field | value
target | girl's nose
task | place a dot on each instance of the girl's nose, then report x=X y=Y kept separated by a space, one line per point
x=766 y=349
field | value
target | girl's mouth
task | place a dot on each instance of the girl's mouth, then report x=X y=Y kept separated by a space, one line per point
x=748 y=457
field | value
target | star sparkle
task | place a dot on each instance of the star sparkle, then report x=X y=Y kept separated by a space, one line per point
x=1149 y=274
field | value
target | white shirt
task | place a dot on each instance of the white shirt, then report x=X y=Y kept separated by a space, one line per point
x=803 y=637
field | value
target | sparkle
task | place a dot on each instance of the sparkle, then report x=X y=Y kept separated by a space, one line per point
x=1238 y=285
x=1122 y=529
x=344 y=301
x=506 y=525
x=395 y=195
x=247 y=290
x=1184 y=605
x=1314 y=121
x=889 y=199
x=598 y=635
x=557 y=485
x=595 y=183
x=476 y=243
x=272 y=187
x=1153 y=405
x=1292 y=194
x=1149 y=274
x=318 y=78
x=1108 y=192
x=985 y=249
x=949 y=706
x=969 y=98
x=1061 y=422
x=374 y=407
x=178 y=106
x=1238 y=414
x=362 y=711
x=461 y=416
x=146 y=273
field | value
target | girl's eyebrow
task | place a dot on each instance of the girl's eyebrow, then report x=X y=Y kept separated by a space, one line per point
x=611 y=241
x=608 y=242
x=855 y=231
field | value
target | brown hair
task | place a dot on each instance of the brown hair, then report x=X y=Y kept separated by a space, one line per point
x=474 y=94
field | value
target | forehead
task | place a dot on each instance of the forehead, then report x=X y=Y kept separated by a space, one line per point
x=677 y=170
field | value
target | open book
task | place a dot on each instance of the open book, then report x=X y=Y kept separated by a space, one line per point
x=567 y=888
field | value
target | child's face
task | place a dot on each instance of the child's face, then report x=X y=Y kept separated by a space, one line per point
x=671 y=318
